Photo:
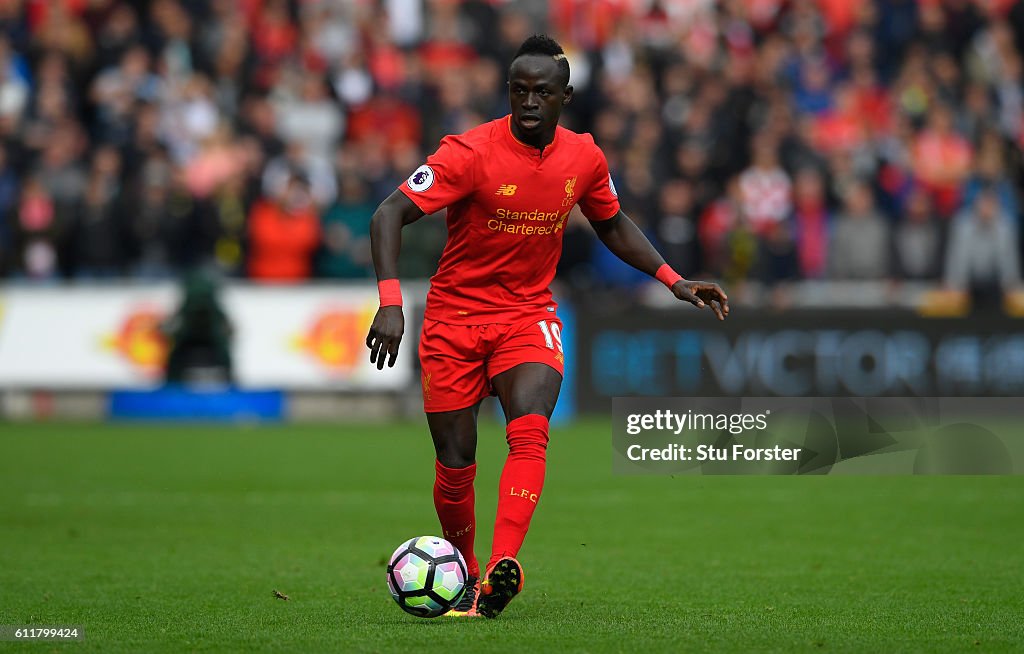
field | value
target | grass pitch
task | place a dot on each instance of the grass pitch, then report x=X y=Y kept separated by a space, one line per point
x=173 y=539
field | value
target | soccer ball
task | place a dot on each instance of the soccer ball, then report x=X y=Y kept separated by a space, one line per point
x=426 y=576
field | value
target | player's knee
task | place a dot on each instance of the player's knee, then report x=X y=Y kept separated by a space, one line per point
x=527 y=410
x=455 y=458
x=525 y=404
x=454 y=439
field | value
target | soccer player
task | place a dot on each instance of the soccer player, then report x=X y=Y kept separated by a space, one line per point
x=490 y=325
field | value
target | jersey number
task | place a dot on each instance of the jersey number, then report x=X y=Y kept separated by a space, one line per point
x=552 y=335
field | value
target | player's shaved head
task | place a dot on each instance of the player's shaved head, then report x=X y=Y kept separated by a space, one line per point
x=538 y=88
x=541 y=45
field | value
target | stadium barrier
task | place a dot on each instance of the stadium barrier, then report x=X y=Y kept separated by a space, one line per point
x=64 y=349
x=98 y=351
x=109 y=337
x=638 y=351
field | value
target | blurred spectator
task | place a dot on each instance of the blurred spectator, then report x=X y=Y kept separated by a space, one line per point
x=716 y=223
x=741 y=252
x=388 y=117
x=258 y=121
x=777 y=257
x=217 y=160
x=917 y=240
x=612 y=272
x=188 y=117
x=942 y=159
x=1016 y=20
x=53 y=103
x=145 y=142
x=308 y=117
x=676 y=227
x=118 y=33
x=692 y=162
x=346 y=233
x=39 y=232
x=297 y=159
x=274 y=35
x=98 y=232
x=860 y=244
x=990 y=173
x=811 y=220
x=895 y=177
x=575 y=266
x=283 y=234
x=60 y=27
x=766 y=188
x=8 y=201
x=744 y=122
x=813 y=95
x=982 y=257
x=117 y=89
x=228 y=222
x=172 y=40
x=159 y=229
x=14 y=87
x=230 y=56
x=59 y=168
x=420 y=255
x=199 y=333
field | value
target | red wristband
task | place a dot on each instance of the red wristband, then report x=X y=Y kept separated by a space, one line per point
x=390 y=293
x=667 y=276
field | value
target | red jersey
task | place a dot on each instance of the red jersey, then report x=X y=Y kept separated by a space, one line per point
x=508 y=203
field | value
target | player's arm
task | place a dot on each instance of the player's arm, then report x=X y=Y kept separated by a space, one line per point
x=388 y=325
x=627 y=242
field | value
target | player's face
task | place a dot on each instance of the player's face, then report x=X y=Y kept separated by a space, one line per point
x=537 y=93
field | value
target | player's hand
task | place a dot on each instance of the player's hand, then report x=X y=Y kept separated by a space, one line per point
x=385 y=336
x=703 y=294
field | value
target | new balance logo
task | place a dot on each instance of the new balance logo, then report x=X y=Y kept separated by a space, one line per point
x=506 y=190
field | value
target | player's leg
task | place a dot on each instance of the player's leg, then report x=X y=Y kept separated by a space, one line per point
x=528 y=393
x=453 y=386
x=454 y=435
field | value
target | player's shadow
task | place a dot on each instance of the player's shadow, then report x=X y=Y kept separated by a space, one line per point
x=441 y=622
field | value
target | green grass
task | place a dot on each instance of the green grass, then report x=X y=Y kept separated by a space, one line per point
x=171 y=539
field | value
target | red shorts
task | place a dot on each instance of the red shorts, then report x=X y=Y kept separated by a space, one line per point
x=459 y=361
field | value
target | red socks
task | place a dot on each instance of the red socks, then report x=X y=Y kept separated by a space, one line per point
x=518 y=491
x=521 y=482
x=455 y=501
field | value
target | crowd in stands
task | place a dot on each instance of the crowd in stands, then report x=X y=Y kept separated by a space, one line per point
x=767 y=140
